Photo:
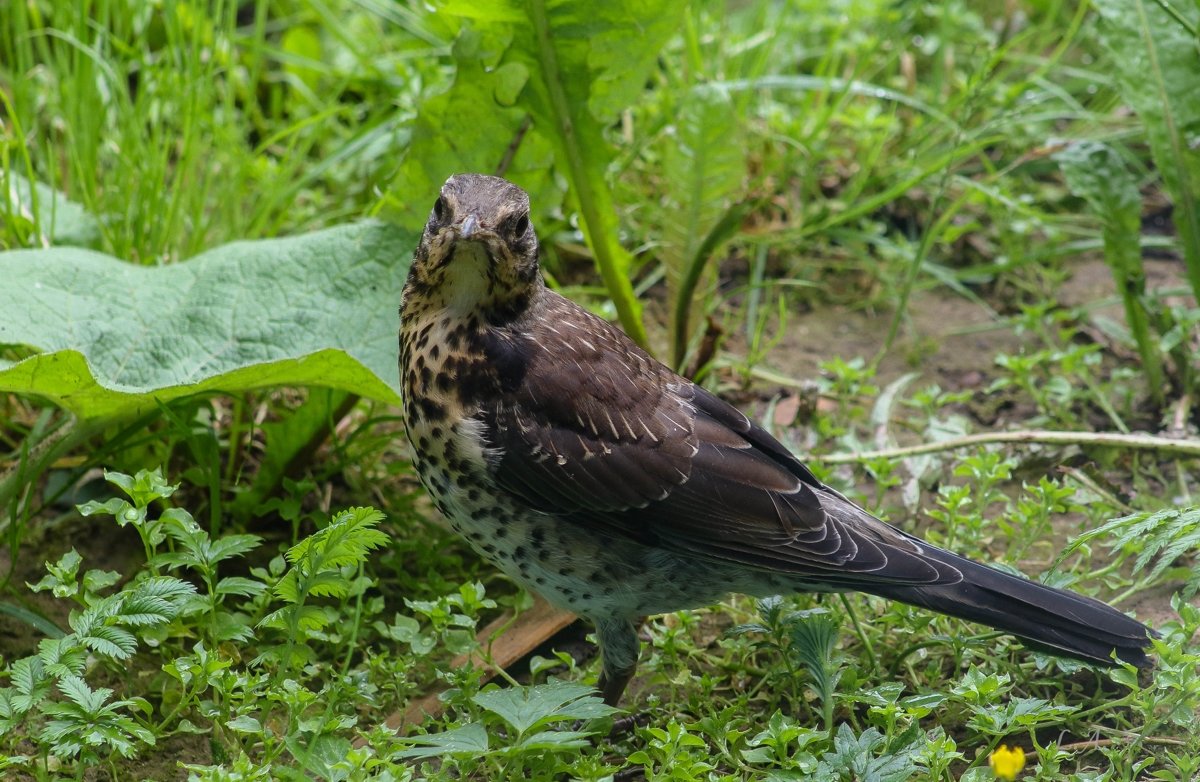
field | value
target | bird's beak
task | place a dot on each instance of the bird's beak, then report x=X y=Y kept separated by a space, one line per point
x=469 y=226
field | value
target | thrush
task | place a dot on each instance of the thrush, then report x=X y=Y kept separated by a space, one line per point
x=593 y=474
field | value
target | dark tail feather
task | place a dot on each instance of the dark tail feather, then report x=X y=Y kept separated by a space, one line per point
x=1050 y=619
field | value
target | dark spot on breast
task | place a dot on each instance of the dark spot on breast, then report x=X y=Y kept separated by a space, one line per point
x=431 y=410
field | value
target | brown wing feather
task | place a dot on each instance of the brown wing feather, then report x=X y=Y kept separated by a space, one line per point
x=620 y=442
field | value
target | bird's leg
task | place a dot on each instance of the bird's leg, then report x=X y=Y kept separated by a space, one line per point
x=613 y=683
x=618 y=640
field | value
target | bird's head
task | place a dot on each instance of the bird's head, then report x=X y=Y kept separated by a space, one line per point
x=479 y=251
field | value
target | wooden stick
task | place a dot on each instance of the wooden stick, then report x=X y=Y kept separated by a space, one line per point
x=1107 y=439
x=531 y=629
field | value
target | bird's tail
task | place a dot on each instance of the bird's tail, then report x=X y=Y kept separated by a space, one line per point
x=1053 y=620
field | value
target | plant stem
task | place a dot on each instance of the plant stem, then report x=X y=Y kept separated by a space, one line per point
x=1145 y=442
x=862 y=635
x=618 y=285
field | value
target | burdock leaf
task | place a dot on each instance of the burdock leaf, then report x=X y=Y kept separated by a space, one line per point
x=116 y=338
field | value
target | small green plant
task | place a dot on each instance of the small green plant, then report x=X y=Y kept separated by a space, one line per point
x=87 y=726
x=1160 y=537
x=808 y=641
x=321 y=566
x=535 y=722
x=674 y=753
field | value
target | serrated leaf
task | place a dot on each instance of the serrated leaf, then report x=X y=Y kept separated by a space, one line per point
x=525 y=707
x=77 y=690
x=118 y=338
x=311 y=618
x=814 y=637
x=328 y=583
x=276 y=619
x=232 y=546
x=111 y=641
x=167 y=588
x=62 y=656
x=232 y=627
x=1161 y=537
x=288 y=587
x=553 y=740
x=237 y=585
x=854 y=756
x=470 y=739
x=30 y=683
x=95 y=615
x=347 y=540
x=146 y=619
x=704 y=168
x=307 y=618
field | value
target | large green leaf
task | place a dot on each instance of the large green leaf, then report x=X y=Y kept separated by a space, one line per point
x=538 y=80
x=117 y=338
x=469 y=127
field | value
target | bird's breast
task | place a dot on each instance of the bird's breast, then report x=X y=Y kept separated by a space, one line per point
x=441 y=367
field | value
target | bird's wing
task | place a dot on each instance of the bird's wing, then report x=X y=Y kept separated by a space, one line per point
x=599 y=433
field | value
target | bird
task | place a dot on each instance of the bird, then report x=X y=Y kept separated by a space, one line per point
x=596 y=476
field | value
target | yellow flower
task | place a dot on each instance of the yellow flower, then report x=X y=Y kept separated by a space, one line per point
x=1007 y=763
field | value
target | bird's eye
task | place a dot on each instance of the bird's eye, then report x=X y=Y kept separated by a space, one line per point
x=520 y=225
x=439 y=209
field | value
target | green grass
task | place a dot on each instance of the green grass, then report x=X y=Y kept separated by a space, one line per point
x=811 y=202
